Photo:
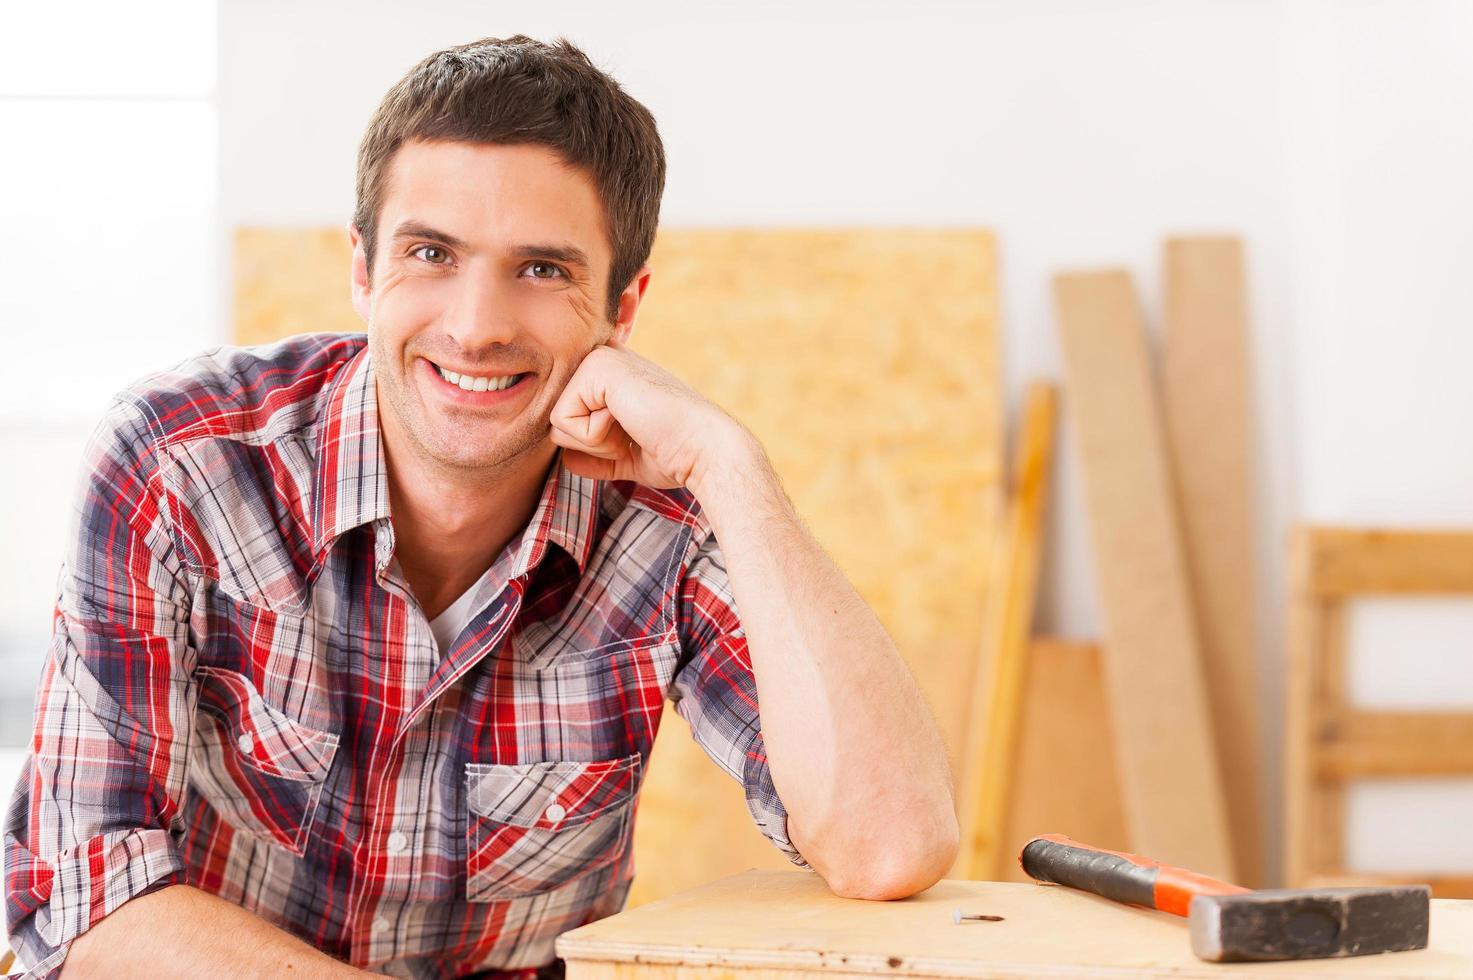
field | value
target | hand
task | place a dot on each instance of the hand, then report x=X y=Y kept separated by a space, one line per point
x=623 y=417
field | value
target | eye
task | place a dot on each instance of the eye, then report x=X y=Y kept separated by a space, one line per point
x=545 y=270
x=430 y=251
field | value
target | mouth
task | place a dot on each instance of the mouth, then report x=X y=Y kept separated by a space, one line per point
x=472 y=387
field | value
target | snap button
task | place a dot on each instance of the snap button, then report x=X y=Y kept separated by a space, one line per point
x=397 y=842
x=555 y=813
x=245 y=743
x=380 y=925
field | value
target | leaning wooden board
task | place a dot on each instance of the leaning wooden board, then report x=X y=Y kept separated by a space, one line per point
x=1206 y=381
x=766 y=925
x=1065 y=775
x=985 y=784
x=867 y=362
x=1172 y=791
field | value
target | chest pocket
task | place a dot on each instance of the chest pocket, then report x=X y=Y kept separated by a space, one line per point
x=261 y=771
x=536 y=827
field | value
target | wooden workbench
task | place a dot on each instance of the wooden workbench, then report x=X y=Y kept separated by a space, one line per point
x=766 y=925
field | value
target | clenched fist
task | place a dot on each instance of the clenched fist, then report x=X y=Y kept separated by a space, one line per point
x=623 y=417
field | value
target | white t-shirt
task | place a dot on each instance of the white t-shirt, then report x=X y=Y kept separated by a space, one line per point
x=448 y=624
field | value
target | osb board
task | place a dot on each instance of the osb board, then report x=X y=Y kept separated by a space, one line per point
x=292 y=280
x=866 y=361
x=1064 y=777
x=771 y=924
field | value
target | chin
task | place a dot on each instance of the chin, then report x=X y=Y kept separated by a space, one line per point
x=467 y=454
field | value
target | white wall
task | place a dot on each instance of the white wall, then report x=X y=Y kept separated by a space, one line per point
x=1333 y=137
x=1382 y=249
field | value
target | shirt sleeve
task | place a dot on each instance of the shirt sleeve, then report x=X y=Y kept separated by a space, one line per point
x=89 y=822
x=714 y=690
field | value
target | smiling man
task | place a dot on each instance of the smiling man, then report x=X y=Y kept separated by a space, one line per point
x=362 y=643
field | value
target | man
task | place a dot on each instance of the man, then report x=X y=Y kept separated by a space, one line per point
x=362 y=644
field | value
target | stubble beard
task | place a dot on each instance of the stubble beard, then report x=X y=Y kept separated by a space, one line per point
x=467 y=446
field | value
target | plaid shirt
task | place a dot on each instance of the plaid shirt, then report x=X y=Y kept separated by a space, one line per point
x=242 y=694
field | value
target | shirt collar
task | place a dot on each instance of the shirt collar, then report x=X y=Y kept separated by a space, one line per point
x=566 y=513
x=351 y=481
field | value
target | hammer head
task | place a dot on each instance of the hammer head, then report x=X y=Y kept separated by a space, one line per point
x=1302 y=924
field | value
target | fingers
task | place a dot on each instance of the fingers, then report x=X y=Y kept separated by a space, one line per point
x=592 y=467
x=582 y=409
x=613 y=442
x=582 y=419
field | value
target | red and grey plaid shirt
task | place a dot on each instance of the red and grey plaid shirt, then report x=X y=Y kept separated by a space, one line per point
x=242 y=694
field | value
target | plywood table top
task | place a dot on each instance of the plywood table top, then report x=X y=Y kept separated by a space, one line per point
x=771 y=924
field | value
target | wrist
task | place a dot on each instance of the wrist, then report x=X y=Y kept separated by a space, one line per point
x=737 y=481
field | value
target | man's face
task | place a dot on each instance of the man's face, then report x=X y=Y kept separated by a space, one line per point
x=491 y=273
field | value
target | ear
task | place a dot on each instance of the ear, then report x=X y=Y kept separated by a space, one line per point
x=361 y=293
x=629 y=302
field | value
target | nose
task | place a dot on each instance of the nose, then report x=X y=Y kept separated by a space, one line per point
x=482 y=312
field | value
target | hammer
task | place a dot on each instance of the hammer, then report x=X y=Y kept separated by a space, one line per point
x=1230 y=923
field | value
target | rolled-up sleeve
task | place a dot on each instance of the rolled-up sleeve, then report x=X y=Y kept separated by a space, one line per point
x=714 y=690
x=92 y=819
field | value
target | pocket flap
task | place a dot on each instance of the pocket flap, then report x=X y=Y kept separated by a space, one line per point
x=262 y=735
x=550 y=795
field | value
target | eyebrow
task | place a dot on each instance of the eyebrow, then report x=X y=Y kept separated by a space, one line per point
x=418 y=229
x=569 y=254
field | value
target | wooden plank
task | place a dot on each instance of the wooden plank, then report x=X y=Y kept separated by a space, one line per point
x=1368 y=561
x=1066 y=780
x=1327 y=814
x=1358 y=744
x=1302 y=696
x=1169 y=772
x=1206 y=380
x=987 y=779
x=765 y=924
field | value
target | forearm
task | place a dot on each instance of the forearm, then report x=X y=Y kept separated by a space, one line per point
x=183 y=932
x=851 y=745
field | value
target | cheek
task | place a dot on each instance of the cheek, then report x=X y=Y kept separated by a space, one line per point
x=406 y=312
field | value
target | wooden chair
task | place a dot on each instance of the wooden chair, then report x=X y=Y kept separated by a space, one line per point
x=1329 y=741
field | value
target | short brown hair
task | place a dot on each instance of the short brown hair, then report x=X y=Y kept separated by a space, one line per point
x=520 y=90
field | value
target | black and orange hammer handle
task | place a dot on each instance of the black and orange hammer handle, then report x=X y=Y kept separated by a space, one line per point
x=1116 y=875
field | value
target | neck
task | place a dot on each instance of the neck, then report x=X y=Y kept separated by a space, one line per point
x=450 y=524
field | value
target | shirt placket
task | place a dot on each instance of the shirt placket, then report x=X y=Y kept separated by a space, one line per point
x=394 y=830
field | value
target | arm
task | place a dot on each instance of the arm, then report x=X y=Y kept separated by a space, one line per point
x=183 y=932
x=853 y=750
x=851 y=746
x=94 y=820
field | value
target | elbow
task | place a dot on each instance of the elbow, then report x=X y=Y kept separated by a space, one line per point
x=900 y=869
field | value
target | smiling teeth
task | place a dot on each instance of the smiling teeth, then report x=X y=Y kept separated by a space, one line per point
x=468 y=383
